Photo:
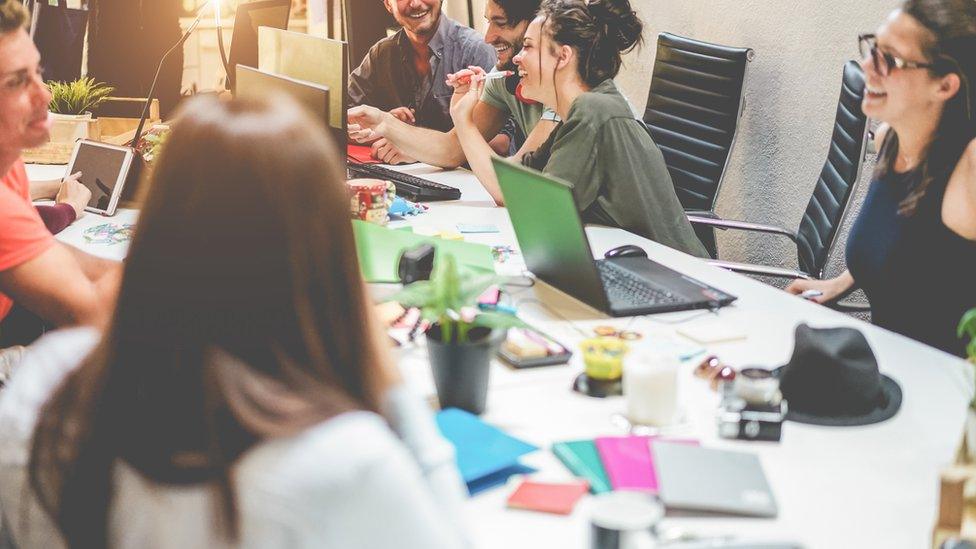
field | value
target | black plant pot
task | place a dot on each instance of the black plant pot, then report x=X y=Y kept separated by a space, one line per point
x=461 y=369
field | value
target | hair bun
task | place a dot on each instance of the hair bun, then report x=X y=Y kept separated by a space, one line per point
x=620 y=20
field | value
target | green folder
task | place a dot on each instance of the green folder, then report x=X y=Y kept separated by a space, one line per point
x=583 y=460
x=379 y=250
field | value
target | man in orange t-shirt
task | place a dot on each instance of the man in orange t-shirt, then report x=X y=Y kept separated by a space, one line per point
x=59 y=284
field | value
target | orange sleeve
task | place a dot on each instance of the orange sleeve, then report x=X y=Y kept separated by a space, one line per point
x=23 y=235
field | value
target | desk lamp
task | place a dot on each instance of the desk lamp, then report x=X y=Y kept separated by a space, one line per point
x=159 y=68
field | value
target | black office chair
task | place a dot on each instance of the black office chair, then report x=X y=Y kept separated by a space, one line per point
x=692 y=112
x=825 y=212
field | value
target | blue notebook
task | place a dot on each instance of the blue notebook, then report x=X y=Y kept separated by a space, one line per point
x=486 y=456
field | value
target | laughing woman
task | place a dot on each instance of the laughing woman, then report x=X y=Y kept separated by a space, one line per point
x=913 y=247
x=572 y=52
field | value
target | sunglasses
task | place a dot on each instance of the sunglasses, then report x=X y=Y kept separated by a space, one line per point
x=884 y=62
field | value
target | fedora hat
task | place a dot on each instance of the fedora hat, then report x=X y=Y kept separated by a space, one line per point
x=833 y=379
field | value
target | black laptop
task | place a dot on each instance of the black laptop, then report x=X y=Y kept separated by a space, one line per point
x=554 y=244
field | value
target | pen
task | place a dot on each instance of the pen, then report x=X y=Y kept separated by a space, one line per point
x=495 y=75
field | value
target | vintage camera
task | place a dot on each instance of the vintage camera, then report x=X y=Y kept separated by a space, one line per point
x=739 y=419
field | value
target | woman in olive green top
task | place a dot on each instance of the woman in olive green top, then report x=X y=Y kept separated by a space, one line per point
x=571 y=53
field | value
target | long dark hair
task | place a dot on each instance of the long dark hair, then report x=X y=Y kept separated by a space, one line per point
x=242 y=316
x=951 y=47
x=599 y=30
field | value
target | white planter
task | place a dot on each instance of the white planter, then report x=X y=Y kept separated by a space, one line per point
x=68 y=128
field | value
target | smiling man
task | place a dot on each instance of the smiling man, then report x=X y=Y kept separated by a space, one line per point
x=406 y=73
x=51 y=283
x=507 y=22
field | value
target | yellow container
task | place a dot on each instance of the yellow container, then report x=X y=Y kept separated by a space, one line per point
x=603 y=357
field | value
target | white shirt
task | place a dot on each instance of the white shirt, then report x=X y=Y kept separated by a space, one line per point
x=347 y=483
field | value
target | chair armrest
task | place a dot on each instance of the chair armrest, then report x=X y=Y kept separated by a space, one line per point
x=748 y=268
x=740 y=225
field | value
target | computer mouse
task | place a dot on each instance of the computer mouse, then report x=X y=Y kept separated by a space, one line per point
x=627 y=250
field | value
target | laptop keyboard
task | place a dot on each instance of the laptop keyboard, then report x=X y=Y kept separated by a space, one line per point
x=623 y=288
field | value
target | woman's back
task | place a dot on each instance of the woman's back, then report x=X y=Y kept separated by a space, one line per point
x=345 y=482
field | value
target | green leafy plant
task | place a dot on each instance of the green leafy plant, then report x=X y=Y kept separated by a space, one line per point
x=449 y=298
x=77 y=97
x=967 y=328
x=153 y=145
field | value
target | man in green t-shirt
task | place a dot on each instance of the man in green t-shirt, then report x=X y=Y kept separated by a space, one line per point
x=507 y=22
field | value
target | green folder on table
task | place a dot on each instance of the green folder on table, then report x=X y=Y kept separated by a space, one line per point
x=379 y=250
x=583 y=460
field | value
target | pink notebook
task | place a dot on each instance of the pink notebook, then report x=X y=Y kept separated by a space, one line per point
x=629 y=462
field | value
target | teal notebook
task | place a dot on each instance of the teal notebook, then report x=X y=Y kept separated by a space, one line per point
x=583 y=460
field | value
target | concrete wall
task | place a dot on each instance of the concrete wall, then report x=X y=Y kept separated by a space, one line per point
x=791 y=95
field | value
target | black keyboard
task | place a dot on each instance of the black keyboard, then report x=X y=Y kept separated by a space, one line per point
x=408 y=186
x=623 y=288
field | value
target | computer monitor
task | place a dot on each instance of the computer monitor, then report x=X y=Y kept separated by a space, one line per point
x=244 y=43
x=259 y=84
x=365 y=22
x=310 y=59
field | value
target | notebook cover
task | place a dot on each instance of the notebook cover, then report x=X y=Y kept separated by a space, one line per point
x=379 y=249
x=545 y=497
x=486 y=456
x=628 y=462
x=583 y=460
x=361 y=154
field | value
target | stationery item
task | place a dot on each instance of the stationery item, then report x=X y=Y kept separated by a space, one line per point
x=362 y=154
x=583 y=460
x=559 y=499
x=527 y=348
x=712 y=330
x=370 y=200
x=379 y=250
x=624 y=520
x=494 y=76
x=472 y=228
x=735 y=481
x=629 y=462
x=486 y=456
x=109 y=234
x=650 y=386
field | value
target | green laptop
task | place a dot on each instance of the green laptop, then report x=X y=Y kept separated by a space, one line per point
x=554 y=244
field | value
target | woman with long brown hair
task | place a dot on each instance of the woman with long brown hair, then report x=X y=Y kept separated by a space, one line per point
x=913 y=247
x=241 y=395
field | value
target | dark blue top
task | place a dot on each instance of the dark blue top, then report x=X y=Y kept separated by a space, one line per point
x=919 y=275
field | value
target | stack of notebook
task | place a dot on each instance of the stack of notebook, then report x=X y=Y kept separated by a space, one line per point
x=682 y=474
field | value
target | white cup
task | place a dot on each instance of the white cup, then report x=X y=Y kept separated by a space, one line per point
x=650 y=385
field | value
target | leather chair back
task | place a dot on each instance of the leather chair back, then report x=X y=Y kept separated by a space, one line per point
x=825 y=212
x=693 y=111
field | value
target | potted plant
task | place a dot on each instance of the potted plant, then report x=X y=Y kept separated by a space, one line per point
x=967 y=329
x=71 y=108
x=461 y=339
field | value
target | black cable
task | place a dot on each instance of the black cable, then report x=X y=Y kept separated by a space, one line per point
x=159 y=70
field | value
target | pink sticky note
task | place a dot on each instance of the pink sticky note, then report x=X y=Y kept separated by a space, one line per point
x=629 y=462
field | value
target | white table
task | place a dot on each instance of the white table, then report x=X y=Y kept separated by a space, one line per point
x=874 y=486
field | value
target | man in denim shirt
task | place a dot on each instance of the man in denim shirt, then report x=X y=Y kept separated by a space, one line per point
x=406 y=73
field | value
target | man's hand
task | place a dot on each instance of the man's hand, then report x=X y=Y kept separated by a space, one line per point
x=386 y=152
x=405 y=115
x=366 y=124
x=73 y=193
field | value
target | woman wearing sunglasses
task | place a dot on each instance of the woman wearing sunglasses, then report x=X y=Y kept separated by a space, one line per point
x=913 y=247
